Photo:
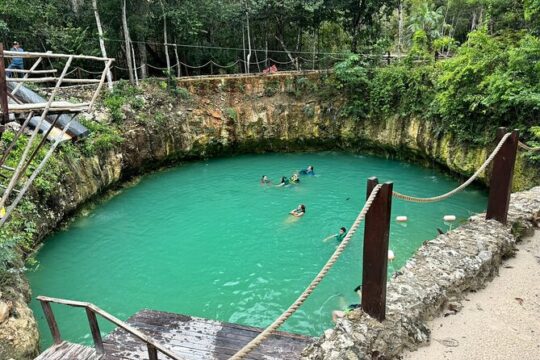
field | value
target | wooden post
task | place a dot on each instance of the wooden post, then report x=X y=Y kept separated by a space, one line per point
x=500 y=182
x=94 y=329
x=51 y=321
x=376 y=233
x=152 y=352
x=3 y=89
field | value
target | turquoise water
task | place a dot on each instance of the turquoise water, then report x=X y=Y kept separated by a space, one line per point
x=206 y=239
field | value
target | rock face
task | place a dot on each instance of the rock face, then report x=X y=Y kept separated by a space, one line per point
x=441 y=271
x=225 y=116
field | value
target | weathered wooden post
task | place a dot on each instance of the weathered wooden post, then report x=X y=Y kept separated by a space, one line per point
x=500 y=183
x=94 y=329
x=376 y=234
x=51 y=321
x=3 y=90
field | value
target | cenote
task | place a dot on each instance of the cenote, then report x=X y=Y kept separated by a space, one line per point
x=206 y=239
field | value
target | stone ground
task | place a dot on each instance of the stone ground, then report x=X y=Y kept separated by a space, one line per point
x=501 y=321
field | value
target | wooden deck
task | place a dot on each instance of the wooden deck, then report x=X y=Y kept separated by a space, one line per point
x=66 y=350
x=197 y=338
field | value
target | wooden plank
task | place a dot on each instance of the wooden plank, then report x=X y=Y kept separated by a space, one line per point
x=55 y=106
x=375 y=260
x=26 y=54
x=51 y=79
x=33 y=71
x=66 y=350
x=500 y=182
x=197 y=338
x=94 y=329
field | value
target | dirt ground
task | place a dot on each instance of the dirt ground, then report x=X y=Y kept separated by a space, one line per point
x=501 y=321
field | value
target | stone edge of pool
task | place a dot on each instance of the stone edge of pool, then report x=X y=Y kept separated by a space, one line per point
x=443 y=270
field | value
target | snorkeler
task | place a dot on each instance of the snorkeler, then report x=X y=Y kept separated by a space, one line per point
x=337 y=314
x=295 y=179
x=308 y=171
x=284 y=181
x=339 y=236
x=299 y=211
x=265 y=180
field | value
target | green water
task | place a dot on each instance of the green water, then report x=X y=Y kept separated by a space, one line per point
x=206 y=239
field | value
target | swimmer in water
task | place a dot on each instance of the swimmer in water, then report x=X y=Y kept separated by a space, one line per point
x=339 y=236
x=308 y=171
x=338 y=314
x=299 y=211
x=284 y=181
x=265 y=180
x=295 y=179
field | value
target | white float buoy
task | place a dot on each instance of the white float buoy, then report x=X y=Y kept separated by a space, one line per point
x=401 y=219
x=391 y=255
x=449 y=217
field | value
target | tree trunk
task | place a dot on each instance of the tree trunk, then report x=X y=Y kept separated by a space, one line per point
x=178 y=69
x=101 y=41
x=144 y=59
x=128 y=44
x=249 y=43
x=400 y=27
x=134 y=63
x=165 y=38
x=288 y=52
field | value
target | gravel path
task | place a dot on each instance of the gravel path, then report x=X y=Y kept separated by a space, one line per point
x=501 y=321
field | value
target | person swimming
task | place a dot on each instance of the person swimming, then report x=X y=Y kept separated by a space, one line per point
x=337 y=314
x=265 y=180
x=295 y=179
x=339 y=236
x=299 y=211
x=283 y=182
x=309 y=171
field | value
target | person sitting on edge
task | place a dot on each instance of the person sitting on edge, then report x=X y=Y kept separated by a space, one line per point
x=265 y=180
x=308 y=171
x=339 y=236
x=337 y=314
x=299 y=211
x=284 y=181
x=17 y=62
x=295 y=179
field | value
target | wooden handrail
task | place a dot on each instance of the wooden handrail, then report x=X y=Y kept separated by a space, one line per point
x=151 y=344
x=25 y=54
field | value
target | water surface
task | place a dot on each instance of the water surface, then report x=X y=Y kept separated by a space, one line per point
x=206 y=239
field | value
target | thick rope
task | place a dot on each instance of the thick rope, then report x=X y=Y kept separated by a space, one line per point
x=307 y=292
x=459 y=188
x=527 y=147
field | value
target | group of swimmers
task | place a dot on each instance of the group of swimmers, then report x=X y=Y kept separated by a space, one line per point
x=294 y=179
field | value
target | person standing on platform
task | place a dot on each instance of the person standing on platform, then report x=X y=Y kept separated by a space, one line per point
x=17 y=62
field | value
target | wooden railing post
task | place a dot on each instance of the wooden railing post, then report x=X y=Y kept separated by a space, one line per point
x=375 y=260
x=3 y=90
x=500 y=182
x=51 y=321
x=152 y=352
x=94 y=329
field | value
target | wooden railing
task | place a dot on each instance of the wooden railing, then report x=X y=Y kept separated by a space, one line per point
x=91 y=311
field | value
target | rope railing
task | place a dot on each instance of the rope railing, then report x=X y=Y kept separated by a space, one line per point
x=527 y=147
x=459 y=188
x=242 y=353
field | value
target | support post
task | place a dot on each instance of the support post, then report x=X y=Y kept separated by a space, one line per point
x=500 y=182
x=3 y=89
x=152 y=352
x=376 y=234
x=51 y=321
x=94 y=329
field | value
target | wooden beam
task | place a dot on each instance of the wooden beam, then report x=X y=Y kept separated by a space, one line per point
x=51 y=321
x=500 y=182
x=375 y=260
x=25 y=54
x=94 y=329
x=152 y=352
x=52 y=79
x=3 y=90
x=22 y=71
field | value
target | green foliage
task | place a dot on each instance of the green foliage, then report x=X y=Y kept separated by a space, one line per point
x=352 y=78
x=102 y=137
x=231 y=114
x=123 y=93
x=271 y=88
